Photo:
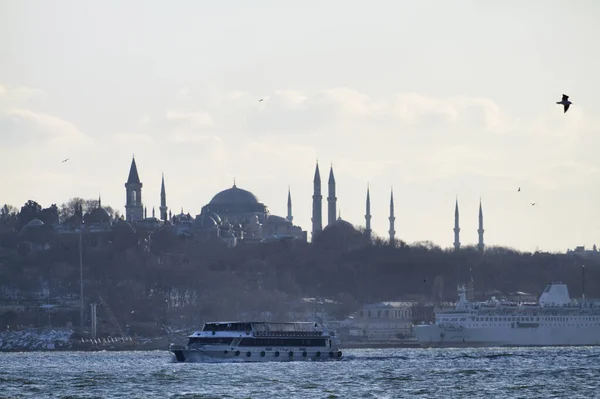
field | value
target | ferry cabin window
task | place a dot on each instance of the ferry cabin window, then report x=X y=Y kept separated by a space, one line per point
x=227 y=327
x=210 y=341
x=282 y=342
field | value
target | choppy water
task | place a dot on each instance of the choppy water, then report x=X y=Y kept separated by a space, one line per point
x=364 y=373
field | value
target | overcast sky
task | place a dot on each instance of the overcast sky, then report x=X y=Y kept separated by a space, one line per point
x=436 y=98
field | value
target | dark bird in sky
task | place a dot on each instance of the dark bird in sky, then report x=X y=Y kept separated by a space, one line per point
x=519 y=190
x=533 y=203
x=261 y=100
x=65 y=160
x=565 y=102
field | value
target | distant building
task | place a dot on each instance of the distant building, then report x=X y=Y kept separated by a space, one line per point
x=383 y=321
x=584 y=253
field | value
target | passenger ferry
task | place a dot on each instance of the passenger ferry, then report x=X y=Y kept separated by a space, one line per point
x=554 y=320
x=258 y=342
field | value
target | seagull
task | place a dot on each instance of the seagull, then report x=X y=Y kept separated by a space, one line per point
x=533 y=203
x=519 y=190
x=65 y=160
x=261 y=100
x=565 y=102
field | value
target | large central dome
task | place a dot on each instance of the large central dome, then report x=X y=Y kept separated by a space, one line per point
x=235 y=205
x=234 y=195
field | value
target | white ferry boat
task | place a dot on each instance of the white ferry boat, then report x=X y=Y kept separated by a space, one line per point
x=258 y=342
x=554 y=320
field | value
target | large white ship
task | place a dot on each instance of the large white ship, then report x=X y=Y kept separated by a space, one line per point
x=554 y=320
x=258 y=342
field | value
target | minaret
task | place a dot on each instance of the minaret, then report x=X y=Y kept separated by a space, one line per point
x=368 y=215
x=134 y=210
x=331 y=199
x=317 y=221
x=289 y=207
x=163 y=200
x=145 y=213
x=480 y=245
x=99 y=201
x=392 y=220
x=153 y=214
x=456 y=228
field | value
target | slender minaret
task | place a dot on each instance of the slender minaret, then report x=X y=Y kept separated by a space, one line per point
x=317 y=221
x=163 y=200
x=331 y=199
x=456 y=228
x=153 y=214
x=368 y=215
x=145 y=213
x=289 y=206
x=392 y=220
x=134 y=210
x=480 y=245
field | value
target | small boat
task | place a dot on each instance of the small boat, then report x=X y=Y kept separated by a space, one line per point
x=259 y=342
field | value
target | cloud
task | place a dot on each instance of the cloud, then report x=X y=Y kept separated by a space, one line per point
x=22 y=126
x=25 y=127
x=19 y=95
x=295 y=111
x=200 y=119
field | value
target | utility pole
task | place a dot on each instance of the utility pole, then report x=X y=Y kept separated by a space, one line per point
x=93 y=317
x=81 y=274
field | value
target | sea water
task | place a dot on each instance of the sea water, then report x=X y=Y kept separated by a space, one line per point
x=362 y=373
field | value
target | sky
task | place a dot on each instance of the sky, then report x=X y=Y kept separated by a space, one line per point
x=439 y=100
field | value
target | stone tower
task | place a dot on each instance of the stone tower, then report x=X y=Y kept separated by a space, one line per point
x=317 y=220
x=163 y=200
x=456 y=228
x=392 y=220
x=368 y=215
x=331 y=199
x=134 y=210
x=289 y=207
x=480 y=245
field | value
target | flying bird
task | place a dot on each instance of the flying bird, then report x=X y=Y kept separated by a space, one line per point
x=565 y=102
x=65 y=160
x=519 y=190
x=261 y=100
x=533 y=203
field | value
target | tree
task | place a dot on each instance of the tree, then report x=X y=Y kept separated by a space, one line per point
x=9 y=216
x=70 y=207
x=49 y=215
x=31 y=210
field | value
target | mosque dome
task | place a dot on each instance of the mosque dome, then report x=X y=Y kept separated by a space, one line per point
x=234 y=195
x=123 y=227
x=233 y=201
x=205 y=221
x=35 y=228
x=35 y=223
x=274 y=219
x=97 y=215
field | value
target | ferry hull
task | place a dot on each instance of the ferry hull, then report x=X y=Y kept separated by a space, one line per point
x=239 y=354
x=439 y=336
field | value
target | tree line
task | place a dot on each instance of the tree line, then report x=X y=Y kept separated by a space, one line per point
x=181 y=281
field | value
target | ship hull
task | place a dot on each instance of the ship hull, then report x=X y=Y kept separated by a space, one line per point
x=240 y=354
x=434 y=335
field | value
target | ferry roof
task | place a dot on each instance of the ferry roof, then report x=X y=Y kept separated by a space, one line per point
x=264 y=322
